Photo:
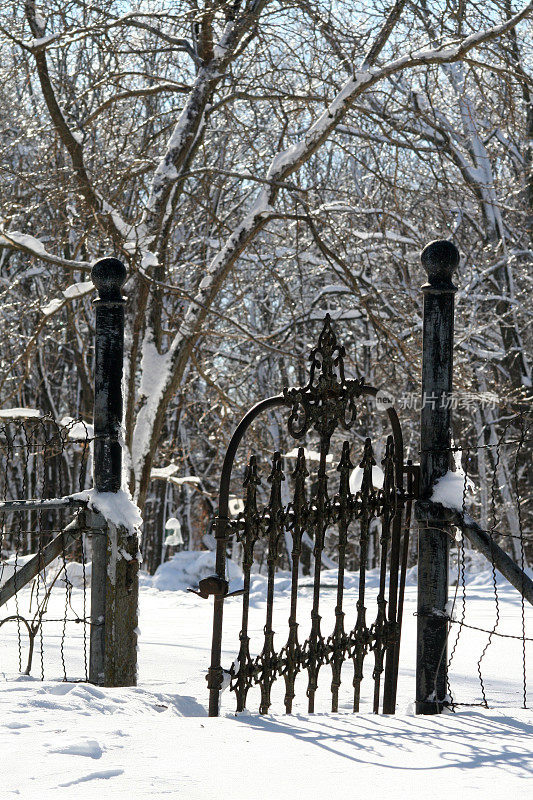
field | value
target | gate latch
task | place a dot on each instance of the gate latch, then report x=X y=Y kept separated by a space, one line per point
x=213 y=585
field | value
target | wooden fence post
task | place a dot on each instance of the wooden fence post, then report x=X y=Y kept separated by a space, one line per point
x=114 y=583
x=440 y=259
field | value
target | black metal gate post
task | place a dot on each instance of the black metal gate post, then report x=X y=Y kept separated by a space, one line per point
x=114 y=584
x=440 y=259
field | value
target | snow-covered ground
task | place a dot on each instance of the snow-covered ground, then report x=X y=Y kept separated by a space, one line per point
x=72 y=739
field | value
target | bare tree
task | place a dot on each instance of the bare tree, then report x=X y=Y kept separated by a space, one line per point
x=254 y=162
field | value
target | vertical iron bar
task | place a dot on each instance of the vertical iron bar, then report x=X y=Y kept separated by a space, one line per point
x=338 y=638
x=315 y=636
x=275 y=532
x=391 y=661
x=366 y=495
x=440 y=259
x=299 y=510
x=215 y=674
x=389 y=681
x=401 y=591
x=251 y=532
x=389 y=498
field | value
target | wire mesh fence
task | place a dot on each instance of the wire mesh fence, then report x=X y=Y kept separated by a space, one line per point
x=44 y=628
x=495 y=480
x=44 y=624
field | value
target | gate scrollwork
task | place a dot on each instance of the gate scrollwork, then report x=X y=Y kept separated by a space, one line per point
x=326 y=403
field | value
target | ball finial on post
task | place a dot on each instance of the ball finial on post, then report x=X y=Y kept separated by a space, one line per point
x=109 y=276
x=440 y=259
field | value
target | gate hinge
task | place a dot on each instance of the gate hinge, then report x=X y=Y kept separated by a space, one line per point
x=413 y=480
x=215 y=678
x=391 y=633
x=214 y=586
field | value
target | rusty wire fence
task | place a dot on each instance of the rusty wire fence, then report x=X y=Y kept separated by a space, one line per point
x=43 y=623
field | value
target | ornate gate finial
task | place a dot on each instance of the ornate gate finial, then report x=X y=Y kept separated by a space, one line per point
x=328 y=398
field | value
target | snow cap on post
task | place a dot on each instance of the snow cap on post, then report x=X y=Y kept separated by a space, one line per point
x=109 y=276
x=440 y=259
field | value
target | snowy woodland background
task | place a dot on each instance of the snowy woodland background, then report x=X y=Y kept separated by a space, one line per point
x=256 y=164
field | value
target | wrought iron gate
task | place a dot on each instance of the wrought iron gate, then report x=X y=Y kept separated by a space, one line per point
x=327 y=402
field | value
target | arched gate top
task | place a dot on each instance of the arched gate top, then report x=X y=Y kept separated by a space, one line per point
x=325 y=403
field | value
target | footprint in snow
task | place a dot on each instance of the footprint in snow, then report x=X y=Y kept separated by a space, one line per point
x=84 y=747
x=16 y=725
x=105 y=774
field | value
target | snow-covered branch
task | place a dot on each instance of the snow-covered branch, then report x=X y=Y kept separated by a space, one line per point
x=26 y=243
x=284 y=164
